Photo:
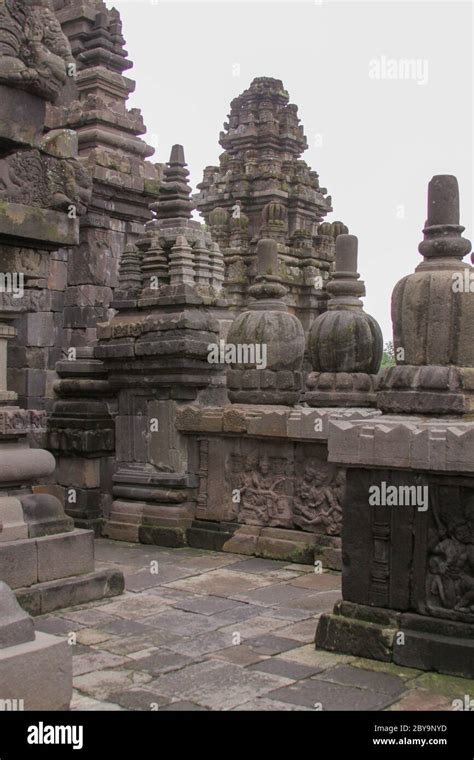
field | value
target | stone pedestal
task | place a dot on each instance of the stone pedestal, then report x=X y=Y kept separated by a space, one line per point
x=35 y=668
x=408 y=513
x=408 y=543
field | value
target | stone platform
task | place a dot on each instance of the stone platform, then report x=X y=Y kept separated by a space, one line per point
x=56 y=571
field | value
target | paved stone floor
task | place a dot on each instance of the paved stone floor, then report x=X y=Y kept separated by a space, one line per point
x=203 y=630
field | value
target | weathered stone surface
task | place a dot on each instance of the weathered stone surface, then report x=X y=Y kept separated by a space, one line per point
x=261 y=174
x=65 y=555
x=16 y=627
x=408 y=532
x=18 y=563
x=44 y=515
x=43 y=227
x=53 y=595
x=29 y=113
x=39 y=672
x=12 y=521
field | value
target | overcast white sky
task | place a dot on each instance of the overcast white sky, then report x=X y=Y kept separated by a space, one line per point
x=374 y=142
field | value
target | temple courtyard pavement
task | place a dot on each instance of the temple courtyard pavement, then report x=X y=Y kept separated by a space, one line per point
x=202 y=630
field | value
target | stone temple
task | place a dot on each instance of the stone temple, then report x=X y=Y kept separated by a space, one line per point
x=196 y=437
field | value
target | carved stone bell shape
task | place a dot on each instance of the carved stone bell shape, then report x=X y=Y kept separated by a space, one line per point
x=345 y=343
x=432 y=315
x=267 y=339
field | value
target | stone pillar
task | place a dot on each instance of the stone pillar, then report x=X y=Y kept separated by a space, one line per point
x=408 y=513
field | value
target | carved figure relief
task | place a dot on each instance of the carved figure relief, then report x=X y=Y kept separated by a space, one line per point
x=33 y=179
x=271 y=493
x=450 y=565
x=34 y=52
x=260 y=482
x=318 y=499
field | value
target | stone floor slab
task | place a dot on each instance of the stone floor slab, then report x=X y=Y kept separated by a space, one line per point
x=281 y=593
x=216 y=684
x=321 y=695
x=346 y=675
x=163 y=660
x=291 y=670
x=239 y=655
x=270 y=644
x=103 y=683
x=223 y=582
x=207 y=605
x=139 y=699
x=183 y=623
x=196 y=646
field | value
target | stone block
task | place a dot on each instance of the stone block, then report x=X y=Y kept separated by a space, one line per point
x=124 y=521
x=11 y=519
x=20 y=464
x=83 y=473
x=65 y=555
x=243 y=541
x=57 y=279
x=47 y=228
x=16 y=626
x=79 y=590
x=38 y=672
x=336 y=633
x=61 y=143
x=18 y=563
x=37 y=329
x=22 y=116
x=425 y=651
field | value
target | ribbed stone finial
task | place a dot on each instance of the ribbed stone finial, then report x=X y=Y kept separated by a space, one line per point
x=432 y=314
x=345 y=344
x=268 y=325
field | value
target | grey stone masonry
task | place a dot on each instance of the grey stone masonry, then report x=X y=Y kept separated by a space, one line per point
x=408 y=513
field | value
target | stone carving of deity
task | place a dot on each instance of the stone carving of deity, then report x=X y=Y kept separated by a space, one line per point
x=450 y=577
x=317 y=503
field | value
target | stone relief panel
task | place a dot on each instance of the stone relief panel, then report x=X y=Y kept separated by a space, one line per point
x=34 y=52
x=318 y=498
x=283 y=485
x=33 y=179
x=450 y=553
x=264 y=486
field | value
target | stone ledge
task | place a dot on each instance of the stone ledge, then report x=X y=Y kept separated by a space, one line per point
x=55 y=595
x=415 y=443
x=49 y=229
x=274 y=421
x=27 y=562
x=372 y=632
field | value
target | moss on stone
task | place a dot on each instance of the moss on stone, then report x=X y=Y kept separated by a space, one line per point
x=448 y=686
